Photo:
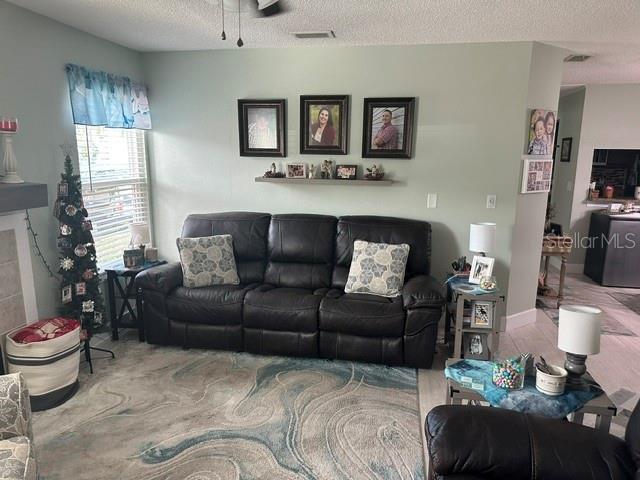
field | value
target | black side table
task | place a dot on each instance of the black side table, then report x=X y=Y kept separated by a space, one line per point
x=123 y=280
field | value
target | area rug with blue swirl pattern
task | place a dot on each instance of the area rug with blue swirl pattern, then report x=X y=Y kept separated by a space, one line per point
x=168 y=413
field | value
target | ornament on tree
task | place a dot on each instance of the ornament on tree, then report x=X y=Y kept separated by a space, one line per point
x=64 y=243
x=88 y=274
x=88 y=306
x=80 y=250
x=67 y=294
x=63 y=189
x=66 y=264
x=87 y=225
x=66 y=229
x=81 y=288
x=71 y=210
x=57 y=208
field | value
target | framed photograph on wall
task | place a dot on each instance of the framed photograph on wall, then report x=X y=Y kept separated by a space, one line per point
x=324 y=124
x=542 y=132
x=480 y=267
x=387 y=127
x=474 y=346
x=536 y=175
x=565 y=149
x=346 y=172
x=482 y=314
x=262 y=128
x=296 y=170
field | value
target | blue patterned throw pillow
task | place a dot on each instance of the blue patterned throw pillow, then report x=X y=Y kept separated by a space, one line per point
x=377 y=268
x=208 y=261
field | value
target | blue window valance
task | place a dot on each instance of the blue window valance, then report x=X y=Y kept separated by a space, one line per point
x=100 y=98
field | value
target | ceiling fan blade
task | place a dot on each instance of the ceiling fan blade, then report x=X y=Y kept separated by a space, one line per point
x=269 y=8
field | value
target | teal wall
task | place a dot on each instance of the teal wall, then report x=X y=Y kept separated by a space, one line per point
x=470 y=135
x=33 y=87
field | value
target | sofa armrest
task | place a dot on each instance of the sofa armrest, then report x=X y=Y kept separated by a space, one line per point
x=422 y=291
x=162 y=278
x=499 y=443
x=15 y=418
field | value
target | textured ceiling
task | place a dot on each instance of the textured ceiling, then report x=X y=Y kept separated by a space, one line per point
x=607 y=29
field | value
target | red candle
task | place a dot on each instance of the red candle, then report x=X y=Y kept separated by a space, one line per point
x=9 y=125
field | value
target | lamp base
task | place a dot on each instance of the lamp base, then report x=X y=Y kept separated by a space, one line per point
x=11 y=177
x=576 y=367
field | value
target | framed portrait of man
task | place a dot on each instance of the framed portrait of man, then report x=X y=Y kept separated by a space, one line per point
x=324 y=124
x=262 y=128
x=388 y=127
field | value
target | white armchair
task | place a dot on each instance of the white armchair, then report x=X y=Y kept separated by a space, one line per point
x=17 y=456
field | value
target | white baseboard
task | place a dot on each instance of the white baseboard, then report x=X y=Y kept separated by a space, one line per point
x=521 y=319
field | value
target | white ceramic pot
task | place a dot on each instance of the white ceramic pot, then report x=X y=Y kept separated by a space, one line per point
x=551 y=384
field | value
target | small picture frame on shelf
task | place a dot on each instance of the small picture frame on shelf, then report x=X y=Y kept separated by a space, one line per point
x=296 y=170
x=346 y=172
x=481 y=267
x=481 y=314
x=474 y=346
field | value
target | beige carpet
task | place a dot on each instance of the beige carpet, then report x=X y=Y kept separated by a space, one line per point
x=167 y=413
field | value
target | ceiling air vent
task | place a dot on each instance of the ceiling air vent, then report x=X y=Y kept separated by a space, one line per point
x=577 y=58
x=327 y=34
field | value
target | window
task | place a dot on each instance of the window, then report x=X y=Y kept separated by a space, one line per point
x=113 y=170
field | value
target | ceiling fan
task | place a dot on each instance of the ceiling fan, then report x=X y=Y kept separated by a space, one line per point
x=263 y=8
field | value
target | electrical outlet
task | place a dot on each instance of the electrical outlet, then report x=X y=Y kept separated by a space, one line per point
x=432 y=200
x=491 y=201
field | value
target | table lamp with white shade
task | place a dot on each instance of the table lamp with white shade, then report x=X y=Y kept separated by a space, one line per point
x=578 y=336
x=482 y=237
x=139 y=234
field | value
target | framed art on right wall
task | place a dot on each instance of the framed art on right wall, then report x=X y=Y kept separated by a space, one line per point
x=387 y=127
x=565 y=149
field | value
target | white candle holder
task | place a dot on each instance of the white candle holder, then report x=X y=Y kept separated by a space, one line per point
x=8 y=128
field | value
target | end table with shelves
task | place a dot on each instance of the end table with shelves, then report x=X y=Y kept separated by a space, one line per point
x=461 y=300
x=121 y=286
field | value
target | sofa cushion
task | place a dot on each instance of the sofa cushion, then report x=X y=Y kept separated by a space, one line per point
x=281 y=308
x=207 y=261
x=415 y=233
x=300 y=250
x=216 y=305
x=249 y=231
x=377 y=268
x=361 y=314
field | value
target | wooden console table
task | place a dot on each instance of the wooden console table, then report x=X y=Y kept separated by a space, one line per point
x=556 y=246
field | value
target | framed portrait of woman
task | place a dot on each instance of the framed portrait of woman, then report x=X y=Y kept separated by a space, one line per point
x=262 y=128
x=324 y=124
x=388 y=127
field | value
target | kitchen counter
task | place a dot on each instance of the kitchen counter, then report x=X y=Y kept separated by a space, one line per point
x=613 y=249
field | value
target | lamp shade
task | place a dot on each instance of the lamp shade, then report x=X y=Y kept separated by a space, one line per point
x=579 y=329
x=482 y=237
x=139 y=233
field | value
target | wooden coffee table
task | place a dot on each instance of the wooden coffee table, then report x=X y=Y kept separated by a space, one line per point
x=601 y=406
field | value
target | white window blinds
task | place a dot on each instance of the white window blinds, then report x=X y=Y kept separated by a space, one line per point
x=113 y=170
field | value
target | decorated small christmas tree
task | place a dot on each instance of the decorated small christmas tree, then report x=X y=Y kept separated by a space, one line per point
x=81 y=295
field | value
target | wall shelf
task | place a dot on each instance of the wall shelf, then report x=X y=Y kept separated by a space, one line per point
x=320 y=181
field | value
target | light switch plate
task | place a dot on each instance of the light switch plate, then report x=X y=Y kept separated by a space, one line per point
x=491 y=201
x=432 y=200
